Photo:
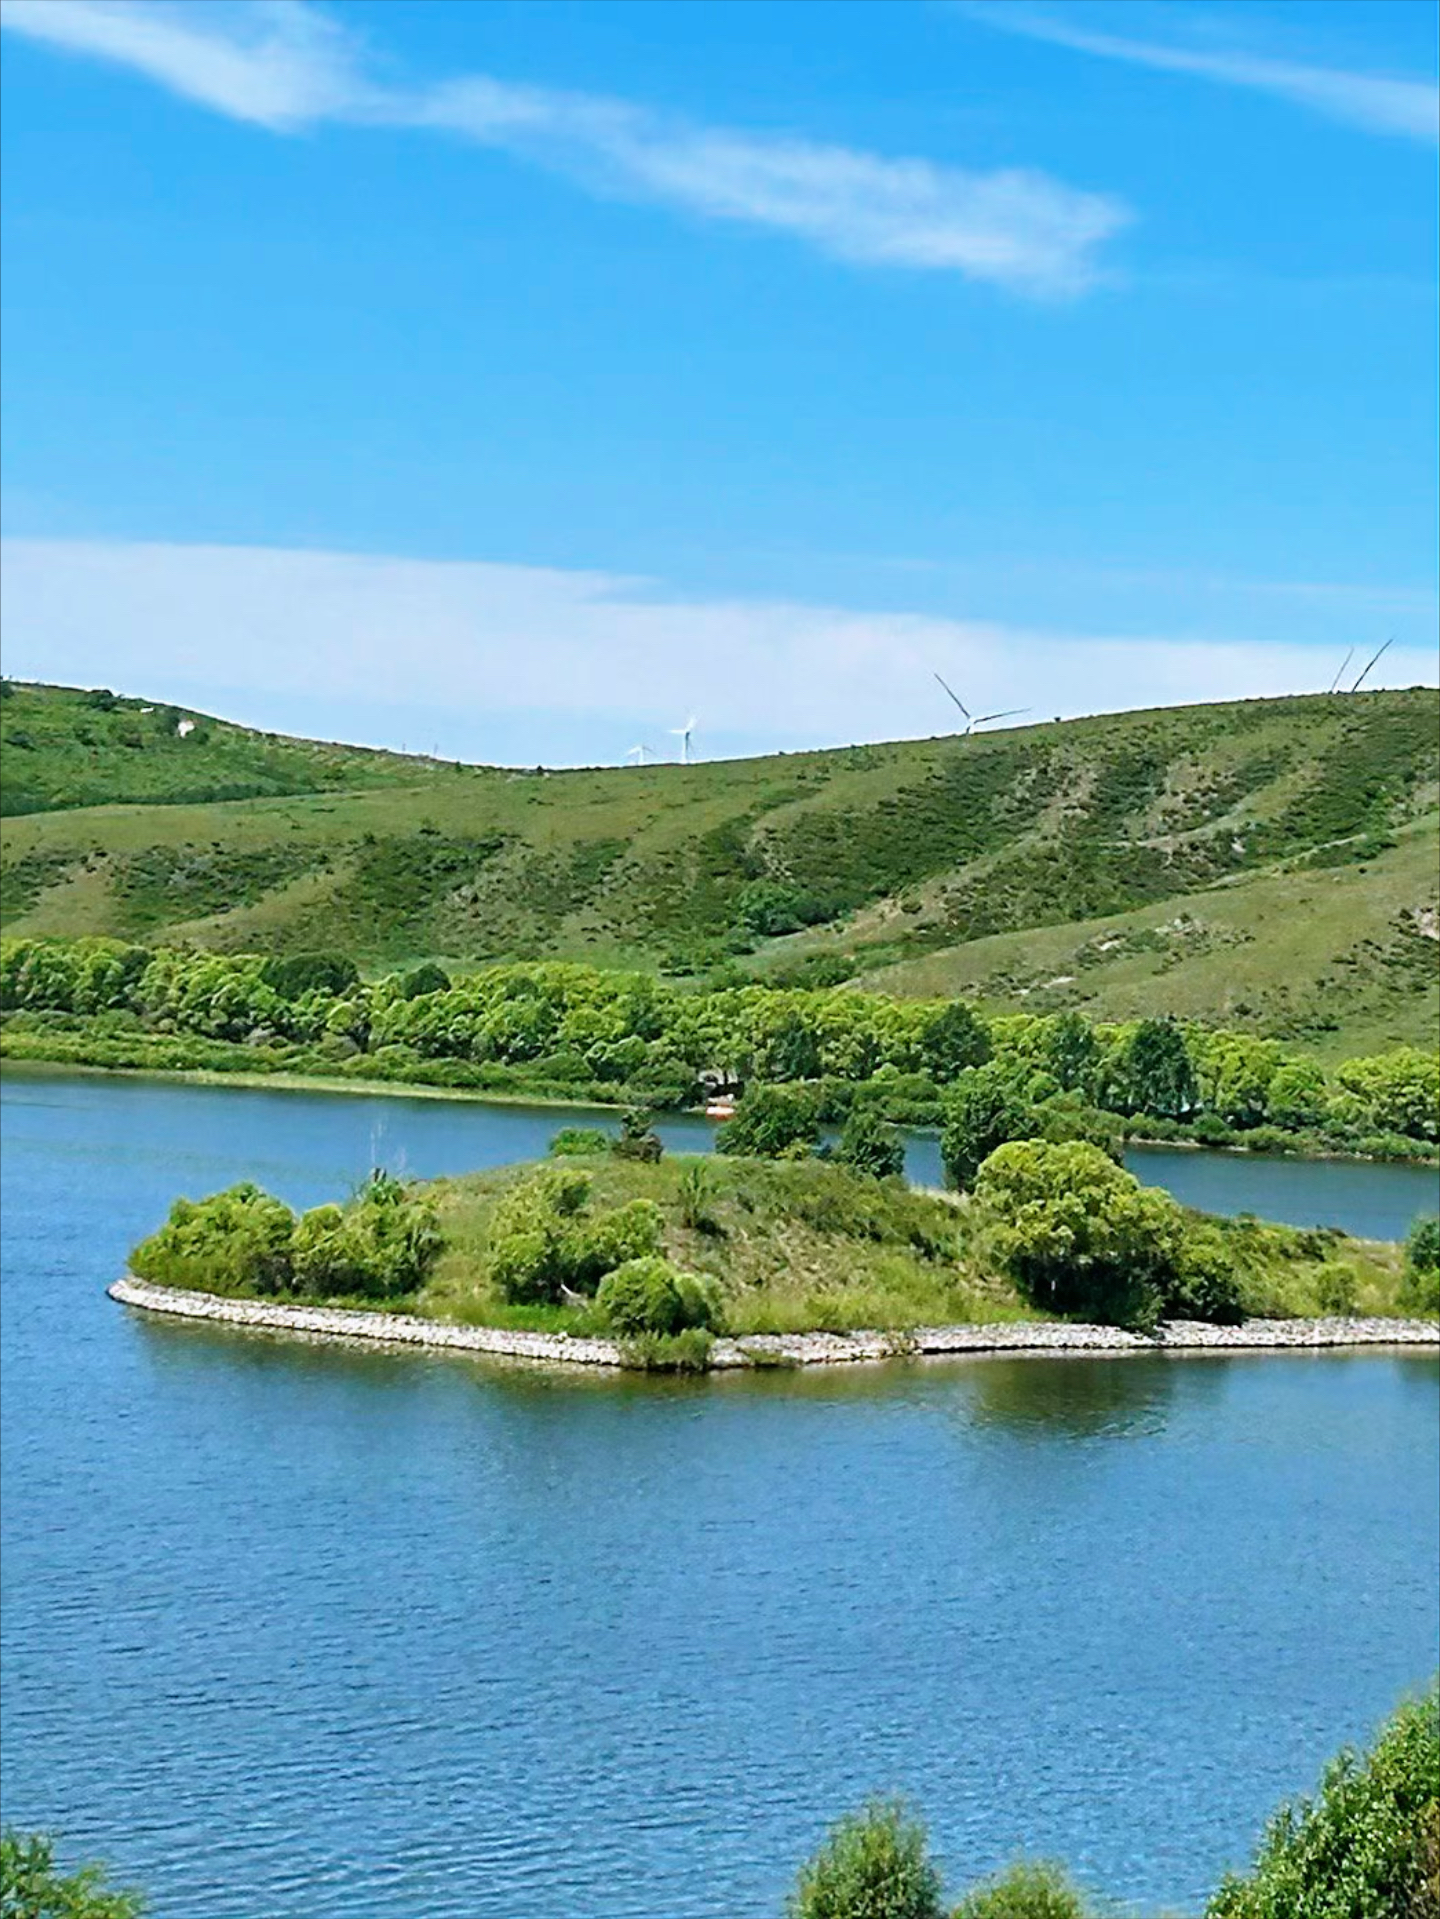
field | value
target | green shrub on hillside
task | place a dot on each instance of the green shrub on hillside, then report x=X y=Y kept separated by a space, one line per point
x=382 y=1244
x=545 y=1242
x=1366 y=1847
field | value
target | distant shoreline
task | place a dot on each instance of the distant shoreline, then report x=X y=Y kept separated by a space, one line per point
x=763 y=1351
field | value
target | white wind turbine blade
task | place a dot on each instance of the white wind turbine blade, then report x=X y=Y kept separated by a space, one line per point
x=1373 y=661
x=1341 y=674
x=955 y=696
x=1010 y=713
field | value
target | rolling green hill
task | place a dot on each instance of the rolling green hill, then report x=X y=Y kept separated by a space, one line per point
x=1271 y=863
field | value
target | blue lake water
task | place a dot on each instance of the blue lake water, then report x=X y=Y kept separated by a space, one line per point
x=291 y=1632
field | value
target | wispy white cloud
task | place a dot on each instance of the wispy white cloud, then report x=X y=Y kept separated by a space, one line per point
x=284 y=64
x=276 y=63
x=1016 y=227
x=531 y=664
x=1406 y=108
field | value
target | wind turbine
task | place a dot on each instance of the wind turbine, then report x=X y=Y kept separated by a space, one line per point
x=1371 y=662
x=637 y=755
x=972 y=720
x=1341 y=674
x=959 y=702
x=682 y=733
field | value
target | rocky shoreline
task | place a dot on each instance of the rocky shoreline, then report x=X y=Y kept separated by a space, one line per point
x=776 y=1349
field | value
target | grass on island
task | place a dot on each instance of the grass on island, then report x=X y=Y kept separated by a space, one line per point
x=806 y=1245
x=1196 y=837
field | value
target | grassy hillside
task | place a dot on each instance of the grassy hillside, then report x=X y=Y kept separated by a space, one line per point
x=1266 y=862
x=66 y=748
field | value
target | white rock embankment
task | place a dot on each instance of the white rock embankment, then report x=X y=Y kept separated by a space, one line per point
x=776 y=1349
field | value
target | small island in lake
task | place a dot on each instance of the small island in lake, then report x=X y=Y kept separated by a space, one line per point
x=668 y=1259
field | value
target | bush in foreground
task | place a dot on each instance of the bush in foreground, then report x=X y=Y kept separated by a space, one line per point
x=33 y=1887
x=875 y=1864
x=1026 y=1891
x=1366 y=1847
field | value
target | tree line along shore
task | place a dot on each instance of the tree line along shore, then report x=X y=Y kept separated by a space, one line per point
x=564 y=1032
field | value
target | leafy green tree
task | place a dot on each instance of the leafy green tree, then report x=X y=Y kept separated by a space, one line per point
x=868 y=1145
x=770 y=1122
x=379 y=1246
x=1366 y=1847
x=953 y=1040
x=1299 y=1094
x=1070 y=1051
x=423 y=980
x=1234 y=1074
x=1158 y=1074
x=986 y=1108
x=874 y=1864
x=292 y=975
x=33 y=1887
x=790 y=1052
x=1080 y=1235
x=1398 y=1092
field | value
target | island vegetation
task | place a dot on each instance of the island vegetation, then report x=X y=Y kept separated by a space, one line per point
x=1267 y=866
x=612 y=1238
x=571 y=1033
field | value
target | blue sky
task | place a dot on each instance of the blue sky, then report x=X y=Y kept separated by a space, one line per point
x=519 y=378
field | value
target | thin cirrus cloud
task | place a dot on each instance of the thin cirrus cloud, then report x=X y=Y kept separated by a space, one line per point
x=521 y=664
x=285 y=65
x=1408 y=109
